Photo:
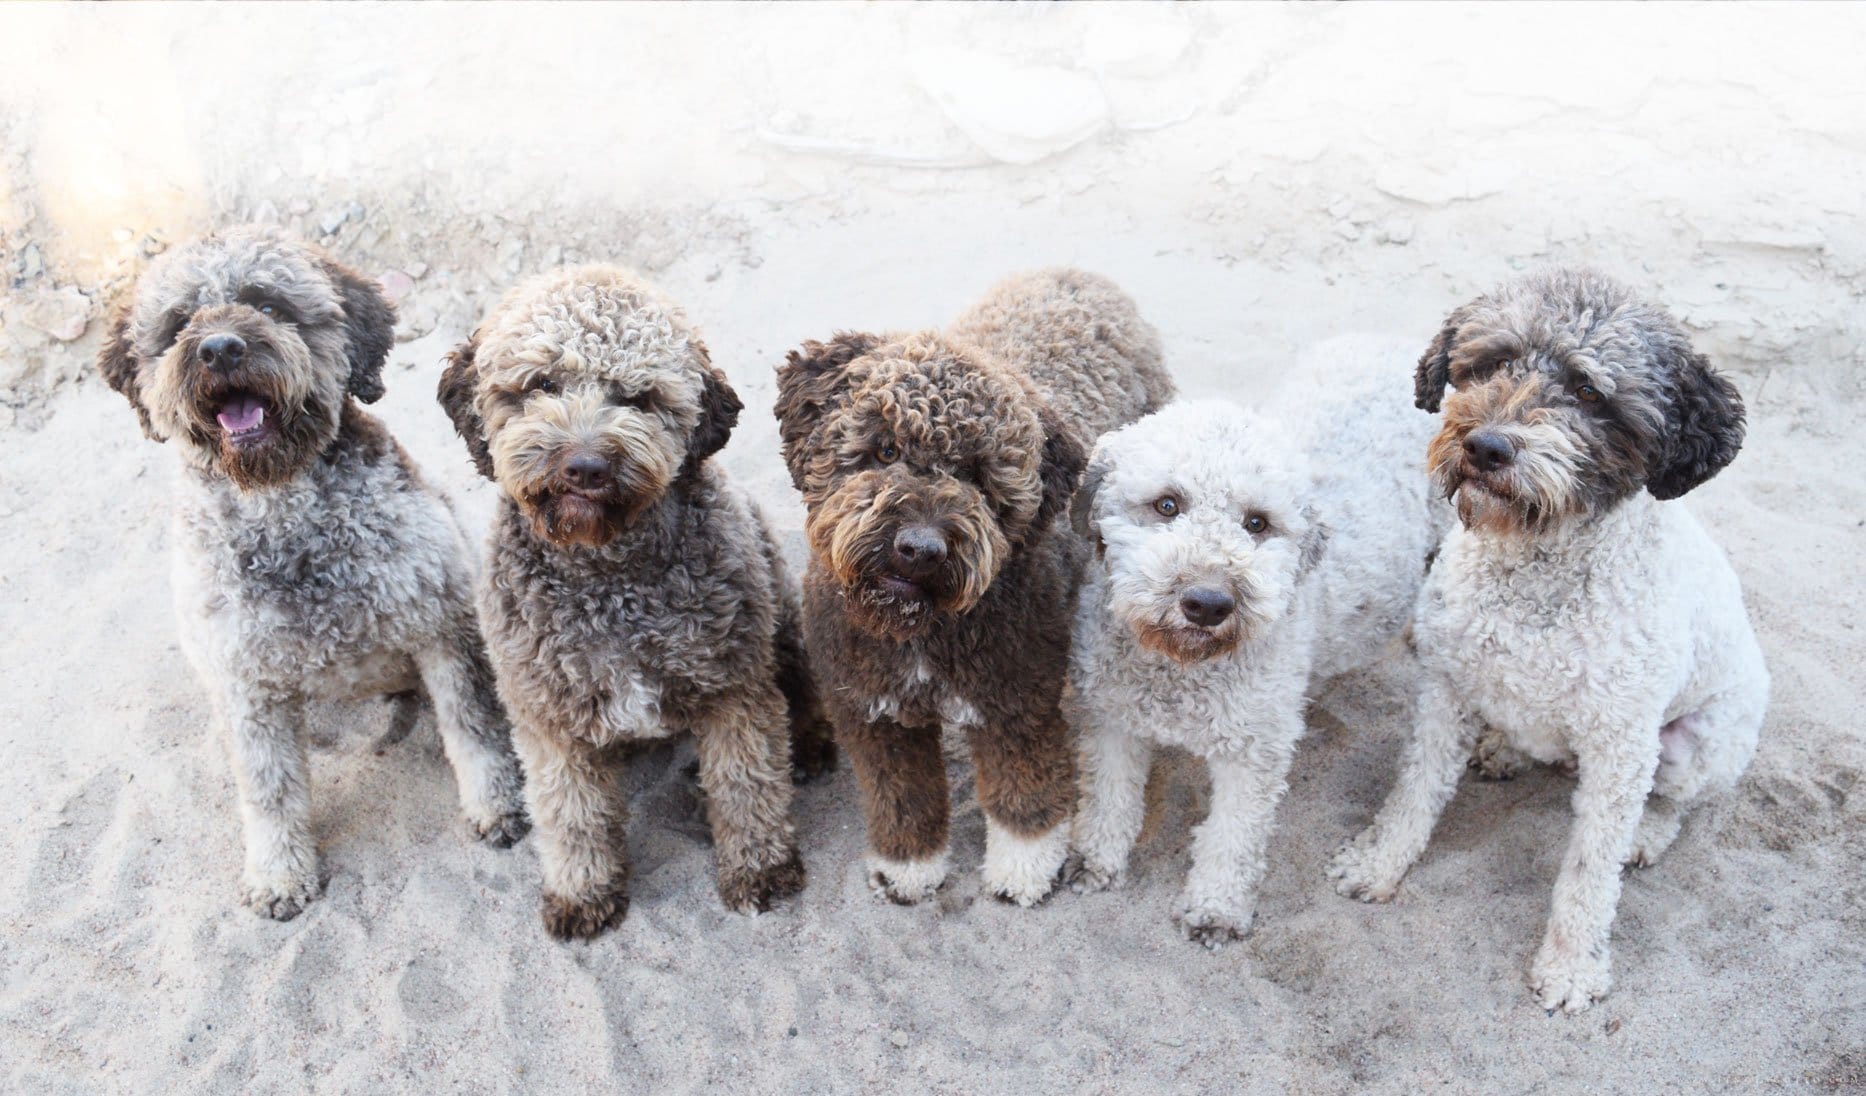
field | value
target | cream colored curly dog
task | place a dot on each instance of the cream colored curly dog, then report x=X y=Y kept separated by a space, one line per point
x=1579 y=613
x=1243 y=558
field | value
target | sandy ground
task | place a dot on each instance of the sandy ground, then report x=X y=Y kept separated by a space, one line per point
x=1257 y=177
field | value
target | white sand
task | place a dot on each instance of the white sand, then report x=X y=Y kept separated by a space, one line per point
x=1257 y=177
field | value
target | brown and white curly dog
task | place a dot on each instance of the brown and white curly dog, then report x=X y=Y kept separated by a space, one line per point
x=631 y=593
x=934 y=467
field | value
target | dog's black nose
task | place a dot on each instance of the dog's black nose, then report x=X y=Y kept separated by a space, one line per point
x=587 y=472
x=221 y=351
x=1206 y=606
x=1488 y=452
x=919 y=550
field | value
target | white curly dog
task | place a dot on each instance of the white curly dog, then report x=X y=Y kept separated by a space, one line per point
x=1577 y=616
x=1242 y=557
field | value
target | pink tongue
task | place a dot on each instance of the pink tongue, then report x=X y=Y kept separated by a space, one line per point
x=241 y=414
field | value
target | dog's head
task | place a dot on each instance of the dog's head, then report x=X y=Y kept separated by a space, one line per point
x=1568 y=396
x=243 y=346
x=1201 y=514
x=585 y=396
x=924 y=465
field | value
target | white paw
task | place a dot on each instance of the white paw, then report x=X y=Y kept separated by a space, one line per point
x=1569 y=982
x=1359 y=871
x=905 y=882
x=1086 y=876
x=1023 y=869
x=280 y=898
x=1211 y=927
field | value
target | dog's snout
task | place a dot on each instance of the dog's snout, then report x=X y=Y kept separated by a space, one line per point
x=587 y=472
x=919 y=550
x=1487 y=451
x=222 y=351
x=1206 y=606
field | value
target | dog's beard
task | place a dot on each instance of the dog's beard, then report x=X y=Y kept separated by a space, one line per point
x=1536 y=492
x=1150 y=608
x=853 y=535
x=529 y=460
x=260 y=423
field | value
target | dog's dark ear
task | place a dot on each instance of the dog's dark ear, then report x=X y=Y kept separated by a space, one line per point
x=116 y=363
x=458 y=382
x=1706 y=426
x=719 y=413
x=1082 y=506
x=1063 y=459
x=1434 y=372
x=808 y=382
x=369 y=321
x=1314 y=543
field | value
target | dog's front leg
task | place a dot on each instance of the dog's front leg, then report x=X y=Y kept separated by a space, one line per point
x=280 y=878
x=1571 y=970
x=1228 y=861
x=904 y=794
x=1026 y=778
x=475 y=735
x=744 y=745
x=1113 y=805
x=582 y=820
x=1370 y=866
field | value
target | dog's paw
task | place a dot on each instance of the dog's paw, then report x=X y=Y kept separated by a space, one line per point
x=1360 y=873
x=754 y=890
x=1212 y=928
x=1569 y=982
x=583 y=919
x=1493 y=758
x=907 y=882
x=1023 y=870
x=501 y=831
x=812 y=756
x=1086 y=877
x=280 y=898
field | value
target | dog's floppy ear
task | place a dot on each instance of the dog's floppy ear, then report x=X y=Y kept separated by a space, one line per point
x=1082 y=506
x=1314 y=543
x=116 y=363
x=808 y=382
x=458 y=382
x=1063 y=458
x=1434 y=372
x=369 y=321
x=1706 y=428
x=719 y=413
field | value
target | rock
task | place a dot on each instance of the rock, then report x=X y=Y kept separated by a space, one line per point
x=1017 y=114
x=61 y=313
x=899 y=1039
x=332 y=219
x=1136 y=43
x=1462 y=182
x=397 y=284
x=417 y=271
x=31 y=263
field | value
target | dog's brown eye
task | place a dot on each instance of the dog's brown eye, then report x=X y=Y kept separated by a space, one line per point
x=269 y=310
x=1166 y=506
x=887 y=453
x=1256 y=523
x=1587 y=393
x=541 y=384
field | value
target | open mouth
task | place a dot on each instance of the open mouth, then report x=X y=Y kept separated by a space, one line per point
x=243 y=418
x=904 y=589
